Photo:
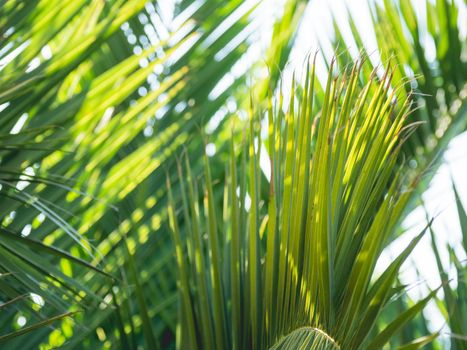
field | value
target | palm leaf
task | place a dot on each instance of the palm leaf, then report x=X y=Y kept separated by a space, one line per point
x=331 y=197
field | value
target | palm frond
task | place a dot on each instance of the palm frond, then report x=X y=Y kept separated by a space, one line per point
x=304 y=254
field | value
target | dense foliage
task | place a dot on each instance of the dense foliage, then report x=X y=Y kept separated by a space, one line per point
x=102 y=101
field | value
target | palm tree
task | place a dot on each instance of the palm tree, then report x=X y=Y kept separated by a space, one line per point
x=96 y=99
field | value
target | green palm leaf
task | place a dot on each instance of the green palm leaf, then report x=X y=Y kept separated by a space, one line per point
x=333 y=198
